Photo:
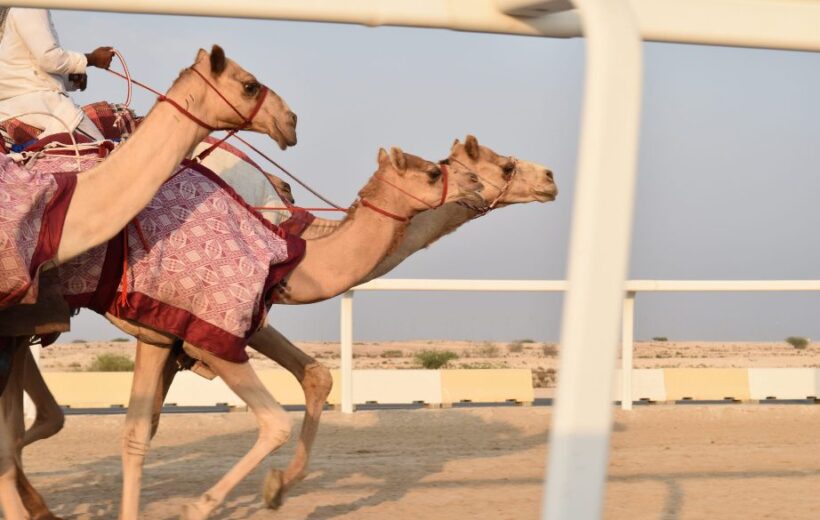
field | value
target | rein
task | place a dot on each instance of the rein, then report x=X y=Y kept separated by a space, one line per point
x=444 y=177
x=501 y=192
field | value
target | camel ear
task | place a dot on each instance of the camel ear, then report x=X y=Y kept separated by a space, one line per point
x=217 y=60
x=398 y=160
x=471 y=145
x=201 y=55
x=383 y=158
x=455 y=143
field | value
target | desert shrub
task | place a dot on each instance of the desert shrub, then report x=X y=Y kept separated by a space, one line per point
x=392 y=354
x=433 y=359
x=79 y=341
x=120 y=340
x=111 y=363
x=527 y=340
x=549 y=350
x=660 y=338
x=487 y=349
x=798 y=342
x=516 y=347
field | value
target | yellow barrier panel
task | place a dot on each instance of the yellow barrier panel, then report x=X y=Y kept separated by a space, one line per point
x=706 y=383
x=487 y=386
x=90 y=389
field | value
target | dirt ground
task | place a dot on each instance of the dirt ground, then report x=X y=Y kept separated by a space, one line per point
x=668 y=463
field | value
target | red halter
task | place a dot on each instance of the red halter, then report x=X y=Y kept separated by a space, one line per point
x=444 y=177
x=246 y=121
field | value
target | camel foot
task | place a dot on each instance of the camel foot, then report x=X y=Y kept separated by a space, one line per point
x=273 y=490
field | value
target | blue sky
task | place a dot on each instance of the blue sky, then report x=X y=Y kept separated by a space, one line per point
x=727 y=185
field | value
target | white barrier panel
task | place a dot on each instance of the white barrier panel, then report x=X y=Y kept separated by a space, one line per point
x=784 y=383
x=397 y=386
x=189 y=389
x=647 y=383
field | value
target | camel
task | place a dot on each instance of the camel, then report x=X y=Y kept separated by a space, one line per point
x=512 y=181
x=217 y=92
x=507 y=181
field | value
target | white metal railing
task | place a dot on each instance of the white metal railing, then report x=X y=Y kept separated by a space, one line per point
x=631 y=288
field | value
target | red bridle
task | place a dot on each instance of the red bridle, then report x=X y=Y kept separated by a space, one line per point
x=444 y=177
x=246 y=121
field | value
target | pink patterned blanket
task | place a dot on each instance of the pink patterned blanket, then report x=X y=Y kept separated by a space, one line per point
x=33 y=205
x=201 y=265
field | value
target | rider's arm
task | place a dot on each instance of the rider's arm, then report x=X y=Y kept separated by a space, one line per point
x=34 y=27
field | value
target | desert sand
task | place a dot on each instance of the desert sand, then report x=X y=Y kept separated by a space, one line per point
x=668 y=463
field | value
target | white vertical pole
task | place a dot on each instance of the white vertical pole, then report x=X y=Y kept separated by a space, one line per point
x=627 y=349
x=598 y=259
x=347 y=352
x=29 y=410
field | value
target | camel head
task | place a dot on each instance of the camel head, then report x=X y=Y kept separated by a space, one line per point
x=424 y=180
x=243 y=91
x=507 y=179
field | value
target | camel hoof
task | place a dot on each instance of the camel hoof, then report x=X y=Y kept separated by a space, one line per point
x=273 y=490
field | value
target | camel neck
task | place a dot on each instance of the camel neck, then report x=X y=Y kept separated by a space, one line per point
x=337 y=262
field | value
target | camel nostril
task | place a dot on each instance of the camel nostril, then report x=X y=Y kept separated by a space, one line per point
x=549 y=175
x=292 y=118
x=286 y=187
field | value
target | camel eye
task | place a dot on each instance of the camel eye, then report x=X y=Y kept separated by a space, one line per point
x=508 y=168
x=434 y=175
x=251 y=88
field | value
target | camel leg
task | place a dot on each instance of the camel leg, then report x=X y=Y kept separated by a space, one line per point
x=11 y=426
x=48 y=422
x=316 y=382
x=50 y=418
x=148 y=366
x=169 y=371
x=274 y=429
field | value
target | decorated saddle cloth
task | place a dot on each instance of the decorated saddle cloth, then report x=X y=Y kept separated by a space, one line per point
x=33 y=206
x=114 y=121
x=197 y=263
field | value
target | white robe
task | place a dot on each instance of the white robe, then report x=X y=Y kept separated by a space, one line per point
x=34 y=73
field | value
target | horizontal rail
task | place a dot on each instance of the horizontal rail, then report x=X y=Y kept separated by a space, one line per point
x=399 y=284
x=775 y=24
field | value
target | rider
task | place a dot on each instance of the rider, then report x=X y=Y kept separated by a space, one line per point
x=35 y=73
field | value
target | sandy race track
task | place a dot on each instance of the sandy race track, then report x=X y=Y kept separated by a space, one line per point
x=668 y=463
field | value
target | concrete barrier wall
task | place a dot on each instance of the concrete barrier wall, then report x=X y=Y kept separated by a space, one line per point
x=103 y=390
x=486 y=386
x=106 y=389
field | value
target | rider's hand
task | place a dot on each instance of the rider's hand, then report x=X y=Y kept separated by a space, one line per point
x=100 y=57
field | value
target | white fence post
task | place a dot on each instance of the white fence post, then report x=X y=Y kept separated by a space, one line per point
x=598 y=260
x=627 y=349
x=347 y=352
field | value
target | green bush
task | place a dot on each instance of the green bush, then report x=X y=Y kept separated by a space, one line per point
x=798 y=342
x=392 y=354
x=433 y=359
x=526 y=340
x=111 y=363
x=120 y=340
x=549 y=350
x=79 y=341
x=516 y=347
x=660 y=338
